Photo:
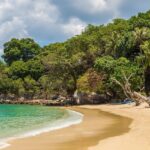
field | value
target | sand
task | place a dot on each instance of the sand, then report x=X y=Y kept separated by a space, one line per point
x=95 y=127
x=98 y=131
x=138 y=138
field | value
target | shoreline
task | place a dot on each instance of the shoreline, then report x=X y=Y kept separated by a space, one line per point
x=73 y=118
x=97 y=125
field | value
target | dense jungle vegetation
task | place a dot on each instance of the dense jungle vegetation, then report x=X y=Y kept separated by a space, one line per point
x=104 y=59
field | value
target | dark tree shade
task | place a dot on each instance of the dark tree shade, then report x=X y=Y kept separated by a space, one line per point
x=147 y=81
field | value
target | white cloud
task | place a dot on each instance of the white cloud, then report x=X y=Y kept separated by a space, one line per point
x=20 y=18
x=55 y=20
x=74 y=27
x=90 y=6
x=13 y=28
x=97 y=6
x=39 y=19
x=11 y=22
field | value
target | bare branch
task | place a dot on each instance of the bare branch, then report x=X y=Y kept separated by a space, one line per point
x=121 y=85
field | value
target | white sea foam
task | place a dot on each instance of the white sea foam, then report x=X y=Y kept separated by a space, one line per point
x=72 y=119
x=4 y=144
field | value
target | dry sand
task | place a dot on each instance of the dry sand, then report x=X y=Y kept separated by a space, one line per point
x=138 y=138
x=96 y=126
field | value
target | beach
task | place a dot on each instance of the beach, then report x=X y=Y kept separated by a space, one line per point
x=96 y=126
x=104 y=127
x=138 y=136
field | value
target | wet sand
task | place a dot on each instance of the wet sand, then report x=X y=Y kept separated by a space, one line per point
x=96 y=126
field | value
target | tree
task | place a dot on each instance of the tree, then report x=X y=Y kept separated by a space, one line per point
x=31 y=88
x=146 y=62
x=125 y=46
x=114 y=69
x=23 y=49
x=18 y=88
x=140 y=20
x=91 y=81
x=87 y=62
x=35 y=68
x=140 y=35
x=125 y=69
x=65 y=65
x=18 y=69
x=129 y=92
x=6 y=86
x=48 y=86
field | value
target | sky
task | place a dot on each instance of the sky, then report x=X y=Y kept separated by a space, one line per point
x=49 y=21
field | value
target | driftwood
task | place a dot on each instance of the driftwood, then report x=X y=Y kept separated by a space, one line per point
x=129 y=93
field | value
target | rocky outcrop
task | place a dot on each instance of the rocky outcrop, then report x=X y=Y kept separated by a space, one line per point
x=92 y=98
x=57 y=102
x=78 y=99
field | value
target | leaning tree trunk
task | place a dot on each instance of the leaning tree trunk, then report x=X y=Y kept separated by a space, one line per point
x=141 y=98
x=126 y=87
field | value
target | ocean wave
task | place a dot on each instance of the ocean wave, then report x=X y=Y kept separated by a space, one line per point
x=73 y=118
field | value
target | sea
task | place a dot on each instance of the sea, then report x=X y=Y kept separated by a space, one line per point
x=19 y=121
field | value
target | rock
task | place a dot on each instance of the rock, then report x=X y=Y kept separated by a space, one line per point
x=92 y=98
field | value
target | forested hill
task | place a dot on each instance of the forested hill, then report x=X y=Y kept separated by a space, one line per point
x=90 y=62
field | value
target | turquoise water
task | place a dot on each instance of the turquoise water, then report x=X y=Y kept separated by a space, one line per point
x=18 y=119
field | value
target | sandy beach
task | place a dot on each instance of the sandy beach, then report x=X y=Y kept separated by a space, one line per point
x=96 y=126
x=104 y=127
x=138 y=137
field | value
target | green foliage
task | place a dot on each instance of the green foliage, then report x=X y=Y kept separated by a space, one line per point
x=18 y=88
x=145 y=59
x=91 y=81
x=6 y=85
x=18 y=69
x=117 y=68
x=23 y=49
x=125 y=45
x=142 y=19
x=86 y=62
x=106 y=64
x=123 y=66
x=48 y=85
x=35 y=68
x=146 y=52
x=83 y=84
x=31 y=88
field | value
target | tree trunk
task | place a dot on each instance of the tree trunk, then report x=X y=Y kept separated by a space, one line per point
x=141 y=98
x=126 y=87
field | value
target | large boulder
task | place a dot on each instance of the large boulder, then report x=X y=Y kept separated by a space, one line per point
x=92 y=98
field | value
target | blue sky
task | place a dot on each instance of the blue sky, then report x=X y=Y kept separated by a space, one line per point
x=56 y=20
